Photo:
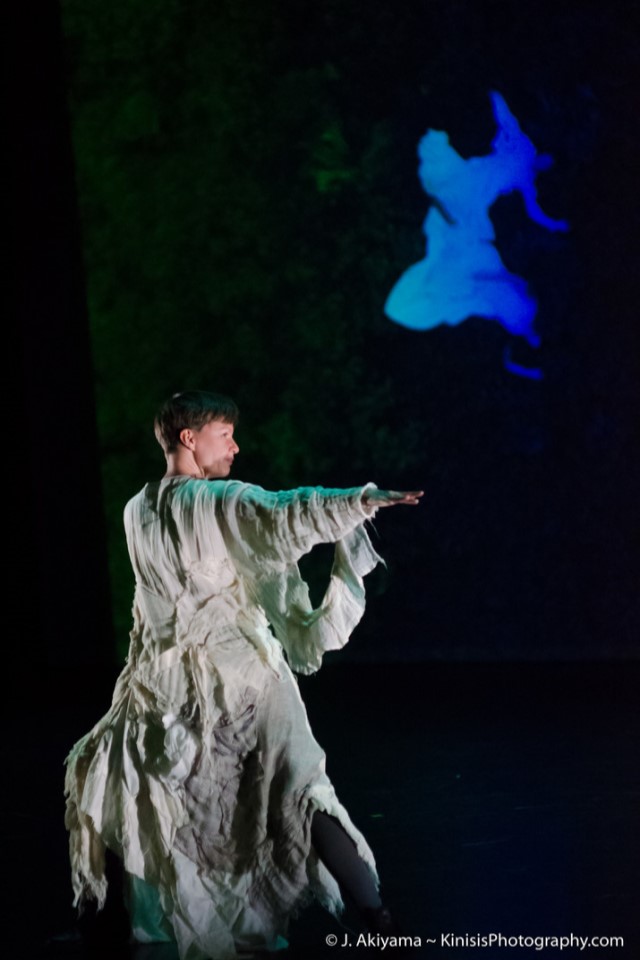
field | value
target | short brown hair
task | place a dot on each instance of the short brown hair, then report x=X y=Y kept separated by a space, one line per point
x=191 y=409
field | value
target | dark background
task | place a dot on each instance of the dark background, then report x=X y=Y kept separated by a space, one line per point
x=245 y=176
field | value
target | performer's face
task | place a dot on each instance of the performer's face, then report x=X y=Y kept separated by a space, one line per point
x=214 y=448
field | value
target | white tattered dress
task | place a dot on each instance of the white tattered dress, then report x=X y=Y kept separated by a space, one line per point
x=204 y=774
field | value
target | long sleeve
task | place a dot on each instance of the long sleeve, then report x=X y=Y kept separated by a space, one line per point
x=281 y=527
x=266 y=534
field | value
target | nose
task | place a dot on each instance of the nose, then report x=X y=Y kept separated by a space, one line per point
x=234 y=446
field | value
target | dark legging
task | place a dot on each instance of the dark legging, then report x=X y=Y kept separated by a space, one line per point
x=340 y=856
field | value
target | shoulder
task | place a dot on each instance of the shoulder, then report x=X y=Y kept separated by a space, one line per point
x=206 y=495
x=238 y=495
x=135 y=502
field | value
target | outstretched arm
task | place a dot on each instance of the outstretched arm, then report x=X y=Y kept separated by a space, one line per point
x=285 y=525
x=392 y=498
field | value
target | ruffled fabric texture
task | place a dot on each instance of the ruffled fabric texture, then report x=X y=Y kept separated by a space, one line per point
x=204 y=774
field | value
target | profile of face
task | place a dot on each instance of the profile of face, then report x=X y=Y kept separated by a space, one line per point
x=434 y=145
x=437 y=159
x=213 y=448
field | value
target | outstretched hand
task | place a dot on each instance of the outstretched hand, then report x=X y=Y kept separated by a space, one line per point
x=391 y=498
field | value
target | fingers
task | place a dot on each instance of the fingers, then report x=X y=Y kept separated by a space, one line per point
x=410 y=497
x=392 y=498
x=402 y=495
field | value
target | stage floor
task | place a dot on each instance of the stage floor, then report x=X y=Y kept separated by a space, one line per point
x=498 y=799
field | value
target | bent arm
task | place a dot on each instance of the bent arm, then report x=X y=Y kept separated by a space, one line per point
x=537 y=214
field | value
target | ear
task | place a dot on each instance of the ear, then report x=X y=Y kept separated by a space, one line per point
x=187 y=438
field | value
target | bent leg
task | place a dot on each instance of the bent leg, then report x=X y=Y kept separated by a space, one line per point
x=339 y=854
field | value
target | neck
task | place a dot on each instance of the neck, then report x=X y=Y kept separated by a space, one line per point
x=182 y=463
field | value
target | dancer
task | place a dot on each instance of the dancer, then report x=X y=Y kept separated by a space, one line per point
x=204 y=777
x=462 y=274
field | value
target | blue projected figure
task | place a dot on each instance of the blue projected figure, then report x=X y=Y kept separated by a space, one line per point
x=462 y=275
